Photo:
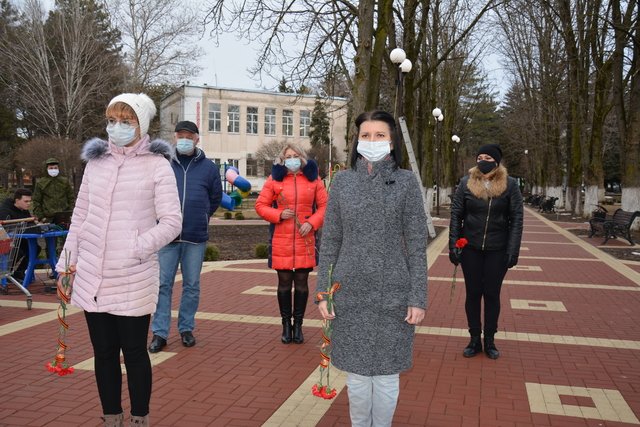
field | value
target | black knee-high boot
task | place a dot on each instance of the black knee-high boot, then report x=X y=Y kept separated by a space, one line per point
x=284 y=302
x=299 y=307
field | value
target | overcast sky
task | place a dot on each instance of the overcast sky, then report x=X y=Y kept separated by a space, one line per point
x=227 y=64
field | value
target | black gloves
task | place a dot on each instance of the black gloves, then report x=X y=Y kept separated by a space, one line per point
x=512 y=260
x=454 y=258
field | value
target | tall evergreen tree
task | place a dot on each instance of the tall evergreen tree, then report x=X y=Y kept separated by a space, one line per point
x=9 y=122
x=319 y=135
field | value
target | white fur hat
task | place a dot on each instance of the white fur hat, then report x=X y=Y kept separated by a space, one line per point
x=143 y=106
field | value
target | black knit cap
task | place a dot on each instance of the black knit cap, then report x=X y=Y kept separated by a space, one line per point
x=491 y=149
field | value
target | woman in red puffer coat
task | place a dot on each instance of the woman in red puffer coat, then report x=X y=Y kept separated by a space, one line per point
x=293 y=200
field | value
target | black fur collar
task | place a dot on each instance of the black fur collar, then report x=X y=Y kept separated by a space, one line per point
x=96 y=148
x=310 y=170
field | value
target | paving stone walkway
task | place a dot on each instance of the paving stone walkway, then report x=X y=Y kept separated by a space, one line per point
x=569 y=338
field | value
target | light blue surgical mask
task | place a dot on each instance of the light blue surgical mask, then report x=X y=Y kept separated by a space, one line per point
x=293 y=164
x=121 y=134
x=184 y=146
x=374 y=151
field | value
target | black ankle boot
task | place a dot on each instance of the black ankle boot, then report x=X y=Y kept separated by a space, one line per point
x=474 y=347
x=284 y=302
x=490 y=348
x=287 y=333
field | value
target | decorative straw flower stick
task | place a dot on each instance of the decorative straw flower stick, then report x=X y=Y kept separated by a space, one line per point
x=59 y=365
x=319 y=389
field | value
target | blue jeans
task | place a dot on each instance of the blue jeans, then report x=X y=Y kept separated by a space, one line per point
x=190 y=257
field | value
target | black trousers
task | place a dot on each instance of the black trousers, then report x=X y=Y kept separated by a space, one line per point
x=483 y=275
x=110 y=334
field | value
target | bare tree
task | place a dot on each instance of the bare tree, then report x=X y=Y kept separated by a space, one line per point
x=159 y=38
x=534 y=114
x=310 y=40
x=626 y=98
x=58 y=68
x=577 y=34
x=269 y=152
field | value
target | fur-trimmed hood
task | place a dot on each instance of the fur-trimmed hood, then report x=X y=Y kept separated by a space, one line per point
x=97 y=147
x=310 y=170
x=488 y=186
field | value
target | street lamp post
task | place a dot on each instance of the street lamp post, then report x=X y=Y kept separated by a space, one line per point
x=528 y=171
x=399 y=57
x=438 y=117
x=456 y=149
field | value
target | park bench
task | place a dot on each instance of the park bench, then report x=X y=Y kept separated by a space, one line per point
x=612 y=226
x=548 y=205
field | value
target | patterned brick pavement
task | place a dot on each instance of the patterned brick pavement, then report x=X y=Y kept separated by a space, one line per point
x=569 y=339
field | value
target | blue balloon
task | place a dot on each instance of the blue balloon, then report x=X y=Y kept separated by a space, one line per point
x=242 y=183
x=227 y=202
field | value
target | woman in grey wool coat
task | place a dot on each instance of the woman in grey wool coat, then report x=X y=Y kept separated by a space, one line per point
x=375 y=238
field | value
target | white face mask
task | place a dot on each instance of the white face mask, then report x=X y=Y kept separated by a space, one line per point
x=120 y=134
x=53 y=172
x=374 y=151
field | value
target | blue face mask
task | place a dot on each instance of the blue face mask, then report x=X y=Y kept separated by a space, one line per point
x=293 y=164
x=120 y=134
x=184 y=146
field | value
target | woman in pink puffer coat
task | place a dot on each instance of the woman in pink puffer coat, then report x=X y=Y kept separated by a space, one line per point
x=127 y=209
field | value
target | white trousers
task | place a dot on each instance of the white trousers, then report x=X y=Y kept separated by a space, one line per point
x=372 y=400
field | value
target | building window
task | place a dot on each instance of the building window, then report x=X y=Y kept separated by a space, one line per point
x=252 y=165
x=305 y=122
x=269 y=121
x=233 y=119
x=256 y=167
x=252 y=120
x=287 y=122
x=214 y=118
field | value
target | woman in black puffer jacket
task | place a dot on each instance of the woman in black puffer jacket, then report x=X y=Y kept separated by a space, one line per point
x=487 y=210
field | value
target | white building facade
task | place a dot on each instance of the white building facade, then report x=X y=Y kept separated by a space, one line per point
x=235 y=123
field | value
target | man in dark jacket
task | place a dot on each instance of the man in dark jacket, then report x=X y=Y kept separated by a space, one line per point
x=53 y=193
x=200 y=190
x=17 y=207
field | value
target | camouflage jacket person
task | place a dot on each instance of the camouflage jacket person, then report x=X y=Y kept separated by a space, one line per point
x=52 y=193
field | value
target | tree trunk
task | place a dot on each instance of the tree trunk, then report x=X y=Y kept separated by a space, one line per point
x=628 y=119
x=364 y=50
